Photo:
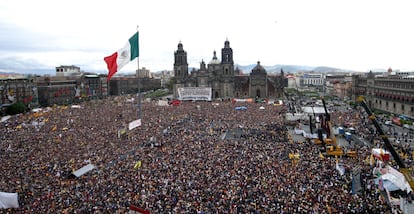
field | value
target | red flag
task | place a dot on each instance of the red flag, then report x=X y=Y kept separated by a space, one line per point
x=139 y=209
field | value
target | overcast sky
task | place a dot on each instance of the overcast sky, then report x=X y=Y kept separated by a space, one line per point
x=353 y=34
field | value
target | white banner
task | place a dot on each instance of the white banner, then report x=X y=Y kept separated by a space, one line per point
x=84 y=170
x=162 y=103
x=248 y=100
x=194 y=93
x=134 y=124
x=5 y=118
x=8 y=200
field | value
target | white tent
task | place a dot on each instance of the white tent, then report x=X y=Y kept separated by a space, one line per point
x=312 y=110
x=393 y=180
x=5 y=118
x=8 y=200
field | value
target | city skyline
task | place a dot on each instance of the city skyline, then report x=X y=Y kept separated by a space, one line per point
x=353 y=35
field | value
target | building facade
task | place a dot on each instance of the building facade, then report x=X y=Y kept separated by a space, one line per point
x=339 y=85
x=312 y=80
x=132 y=85
x=22 y=89
x=164 y=76
x=143 y=73
x=63 y=90
x=389 y=92
x=224 y=79
x=67 y=70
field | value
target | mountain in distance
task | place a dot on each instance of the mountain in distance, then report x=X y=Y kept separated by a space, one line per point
x=276 y=68
x=246 y=69
x=39 y=72
x=291 y=68
x=8 y=73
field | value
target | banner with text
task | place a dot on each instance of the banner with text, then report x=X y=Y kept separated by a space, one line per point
x=194 y=93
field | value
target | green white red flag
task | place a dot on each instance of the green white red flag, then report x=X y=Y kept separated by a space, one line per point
x=123 y=56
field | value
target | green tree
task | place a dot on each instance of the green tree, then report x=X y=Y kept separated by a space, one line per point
x=16 y=108
x=169 y=84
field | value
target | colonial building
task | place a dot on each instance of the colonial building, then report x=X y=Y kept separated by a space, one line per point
x=132 y=85
x=22 y=89
x=339 y=85
x=389 y=92
x=224 y=79
x=63 y=90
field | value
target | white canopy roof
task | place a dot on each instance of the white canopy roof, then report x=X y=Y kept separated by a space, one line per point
x=315 y=109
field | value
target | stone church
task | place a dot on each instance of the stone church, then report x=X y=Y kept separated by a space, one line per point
x=224 y=79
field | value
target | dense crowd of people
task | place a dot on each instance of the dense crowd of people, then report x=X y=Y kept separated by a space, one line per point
x=198 y=157
x=364 y=129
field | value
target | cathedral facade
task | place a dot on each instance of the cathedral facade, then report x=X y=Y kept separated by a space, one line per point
x=224 y=79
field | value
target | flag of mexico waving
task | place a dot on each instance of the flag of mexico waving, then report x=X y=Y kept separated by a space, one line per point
x=123 y=56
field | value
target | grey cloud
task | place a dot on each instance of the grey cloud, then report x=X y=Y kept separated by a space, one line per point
x=18 y=39
x=15 y=64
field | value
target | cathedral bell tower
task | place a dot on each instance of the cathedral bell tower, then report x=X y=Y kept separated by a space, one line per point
x=227 y=59
x=180 y=63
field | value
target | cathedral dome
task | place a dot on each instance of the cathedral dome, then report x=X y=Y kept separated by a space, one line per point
x=214 y=61
x=258 y=69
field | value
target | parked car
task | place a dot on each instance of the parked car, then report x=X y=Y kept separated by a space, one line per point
x=410 y=127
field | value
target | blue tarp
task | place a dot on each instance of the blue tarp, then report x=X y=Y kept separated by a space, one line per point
x=241 y=108
x=347 y=136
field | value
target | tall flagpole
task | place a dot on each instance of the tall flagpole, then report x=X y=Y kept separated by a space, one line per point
x=139 y=80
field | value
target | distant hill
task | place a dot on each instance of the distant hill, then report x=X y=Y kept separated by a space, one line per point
x=330 y=69
x=245 y=68
x=32 y=71
x=290 y=68
x=8 y=73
